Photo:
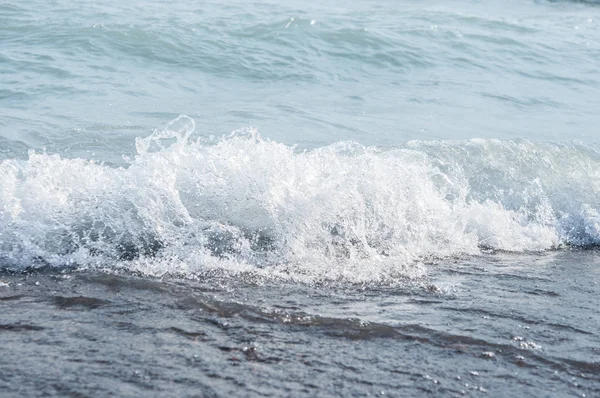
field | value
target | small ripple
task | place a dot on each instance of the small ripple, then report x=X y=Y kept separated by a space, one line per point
x=20 y=327
x=89 y=303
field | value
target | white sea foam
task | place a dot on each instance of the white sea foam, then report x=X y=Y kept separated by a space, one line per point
x=242 y=203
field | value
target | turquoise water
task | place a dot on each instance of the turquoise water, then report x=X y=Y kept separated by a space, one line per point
x=84 y=79
x=299 y=198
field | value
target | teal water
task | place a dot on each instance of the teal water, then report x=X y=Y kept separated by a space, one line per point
x=299 y=198
x=84 y=79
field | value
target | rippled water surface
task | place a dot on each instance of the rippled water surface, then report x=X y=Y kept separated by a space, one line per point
x=299 y=198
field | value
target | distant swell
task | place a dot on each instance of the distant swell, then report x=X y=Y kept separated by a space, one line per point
x=187 y=204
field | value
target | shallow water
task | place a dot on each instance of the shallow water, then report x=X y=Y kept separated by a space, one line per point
x=499 y=325
x=299 y=199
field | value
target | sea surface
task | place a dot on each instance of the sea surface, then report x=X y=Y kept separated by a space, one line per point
x=299 y=198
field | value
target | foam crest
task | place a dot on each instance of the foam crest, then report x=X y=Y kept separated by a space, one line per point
x=187 y=205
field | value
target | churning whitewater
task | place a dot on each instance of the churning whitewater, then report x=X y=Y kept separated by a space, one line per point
x=188 y=203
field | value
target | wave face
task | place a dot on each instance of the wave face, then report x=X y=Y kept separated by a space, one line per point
x=186 y=204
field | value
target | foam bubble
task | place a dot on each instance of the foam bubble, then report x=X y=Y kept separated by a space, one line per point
x=246 y=204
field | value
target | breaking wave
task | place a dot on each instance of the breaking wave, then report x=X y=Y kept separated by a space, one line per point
x=186 y=204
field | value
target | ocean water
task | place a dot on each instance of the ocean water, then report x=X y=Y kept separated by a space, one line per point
x=257 y=198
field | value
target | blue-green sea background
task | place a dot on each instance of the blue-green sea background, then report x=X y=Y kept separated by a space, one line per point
x=85 y=78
